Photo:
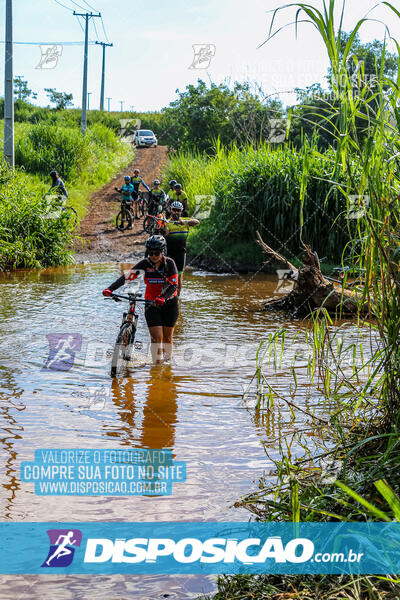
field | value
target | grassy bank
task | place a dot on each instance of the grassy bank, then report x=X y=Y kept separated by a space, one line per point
x=261 y=189
x=84 y=162
x=342 y=463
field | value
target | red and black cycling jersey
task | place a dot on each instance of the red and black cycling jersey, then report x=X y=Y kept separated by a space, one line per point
x=159 y=282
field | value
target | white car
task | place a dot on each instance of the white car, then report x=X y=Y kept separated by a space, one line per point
x=145 y=138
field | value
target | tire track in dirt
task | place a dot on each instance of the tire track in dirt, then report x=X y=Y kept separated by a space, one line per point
x=102 y=241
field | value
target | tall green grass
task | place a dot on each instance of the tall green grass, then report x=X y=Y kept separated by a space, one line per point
x=27 y=237
x=260 y=189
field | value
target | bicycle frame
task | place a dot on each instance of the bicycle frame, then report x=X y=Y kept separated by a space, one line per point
x=127 y=331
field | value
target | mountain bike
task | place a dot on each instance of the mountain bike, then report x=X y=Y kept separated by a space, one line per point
x=153 y=225
x=124 y=219
x=142 y=204
x=126 y=337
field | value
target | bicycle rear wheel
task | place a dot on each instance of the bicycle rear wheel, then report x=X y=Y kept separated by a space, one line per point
x=142 y=205
x=123 y=348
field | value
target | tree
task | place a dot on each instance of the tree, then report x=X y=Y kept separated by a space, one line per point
x=21 y=90
x=60 y=99
x=202 y=114
x=315 y=103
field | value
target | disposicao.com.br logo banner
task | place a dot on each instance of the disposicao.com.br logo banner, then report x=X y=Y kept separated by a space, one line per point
x=207 y=548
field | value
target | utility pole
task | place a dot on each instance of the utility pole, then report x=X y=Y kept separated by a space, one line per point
x=122 y=103
x=9 y=90
x=85 y=61
x=108 y=100
x=103 y=68
x=88 y=98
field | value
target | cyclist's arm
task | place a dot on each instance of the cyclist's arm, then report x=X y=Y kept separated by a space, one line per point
x=60 y=187
x=133 y=273
x=63 y=189
x=193 y=222
x=146 y=186
x=117 y=283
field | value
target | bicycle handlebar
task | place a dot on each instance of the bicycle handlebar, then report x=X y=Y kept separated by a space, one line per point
x=130 y=297
x=158 y=218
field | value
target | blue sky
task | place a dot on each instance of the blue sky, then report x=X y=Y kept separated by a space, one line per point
x=153 y=47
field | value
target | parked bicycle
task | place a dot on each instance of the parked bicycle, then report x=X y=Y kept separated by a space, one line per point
x=124 y=344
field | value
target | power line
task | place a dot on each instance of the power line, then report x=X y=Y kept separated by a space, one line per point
x=91 y=7
x=95 y=30
x=78 y=5
x=80 y=24
x=58 y=43
x=104 y=30
x=63 y=5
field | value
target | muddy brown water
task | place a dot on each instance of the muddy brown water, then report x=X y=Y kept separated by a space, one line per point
x=194 y=406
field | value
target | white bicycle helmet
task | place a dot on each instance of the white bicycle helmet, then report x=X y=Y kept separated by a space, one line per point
x=177 y=205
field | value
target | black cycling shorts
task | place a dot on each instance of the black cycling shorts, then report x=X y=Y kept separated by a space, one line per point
x=178 y=255
x=163 y=316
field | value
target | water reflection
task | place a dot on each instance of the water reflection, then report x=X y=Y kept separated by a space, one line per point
x=159 y=418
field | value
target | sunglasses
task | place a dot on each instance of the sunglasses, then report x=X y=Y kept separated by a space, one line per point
x=176 y=210
x=154 y=253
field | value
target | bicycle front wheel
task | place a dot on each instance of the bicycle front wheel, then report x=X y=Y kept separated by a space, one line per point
x=148 y=225
x=123 y=348
x=123 y=219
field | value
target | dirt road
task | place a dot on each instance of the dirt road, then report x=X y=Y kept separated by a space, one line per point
x=102 y=241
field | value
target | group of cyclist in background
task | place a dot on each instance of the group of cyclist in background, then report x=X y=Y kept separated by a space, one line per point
x=164 y=261
x=157 y=200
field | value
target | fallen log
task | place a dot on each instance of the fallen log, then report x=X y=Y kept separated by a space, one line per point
x=311 y=289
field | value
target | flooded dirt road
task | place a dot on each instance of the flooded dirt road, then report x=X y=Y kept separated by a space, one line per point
x=193 y=407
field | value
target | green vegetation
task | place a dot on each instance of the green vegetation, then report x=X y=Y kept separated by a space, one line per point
x=352 y=472
x=260 y=188
x=28 y=238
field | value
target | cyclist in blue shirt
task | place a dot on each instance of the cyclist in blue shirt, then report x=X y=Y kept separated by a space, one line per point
x=127 y=190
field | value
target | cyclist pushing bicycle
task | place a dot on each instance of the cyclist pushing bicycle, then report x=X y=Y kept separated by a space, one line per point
x=156 y=199
x=161 y=279
x=177 y=231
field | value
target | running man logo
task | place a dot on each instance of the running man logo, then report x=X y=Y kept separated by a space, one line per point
x=278 y=131
x=49 y=56
x=204 y=204
x=358 y=206
x=61 y=551
x=203 y=54
x=285 y=276
x=63 y=347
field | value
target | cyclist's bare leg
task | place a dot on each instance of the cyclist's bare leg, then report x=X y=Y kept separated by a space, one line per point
x=156 y=335
x=167 y=342
x=180 y=277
